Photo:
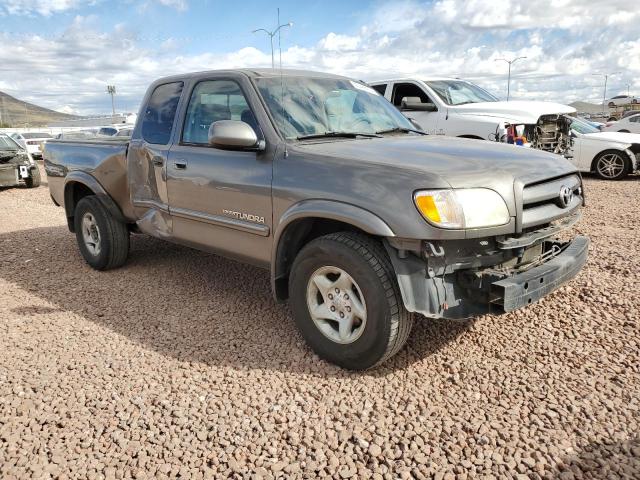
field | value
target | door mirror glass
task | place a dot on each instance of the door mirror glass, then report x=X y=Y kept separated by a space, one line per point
x=232 y=134
x=414 y=103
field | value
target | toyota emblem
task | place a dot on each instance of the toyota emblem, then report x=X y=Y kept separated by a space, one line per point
x=565 y=197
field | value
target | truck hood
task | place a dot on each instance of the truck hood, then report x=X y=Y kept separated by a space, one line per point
x=618 y=137
x=526 y=112
x=461 y=163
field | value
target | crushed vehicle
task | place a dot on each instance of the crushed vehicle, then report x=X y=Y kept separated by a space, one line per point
x=16 y=165
x=360 y=218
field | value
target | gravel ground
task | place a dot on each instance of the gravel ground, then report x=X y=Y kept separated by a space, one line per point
x=181 y=365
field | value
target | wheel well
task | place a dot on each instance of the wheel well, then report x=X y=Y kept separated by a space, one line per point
x=473 y=137
x=297 y=235
x=604 y=152
x=73 y=193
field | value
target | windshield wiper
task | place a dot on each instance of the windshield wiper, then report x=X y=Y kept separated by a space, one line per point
x=338 y=134
x=402 y=130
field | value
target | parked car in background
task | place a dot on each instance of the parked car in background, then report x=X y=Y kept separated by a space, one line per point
x=360 y=218
x=610 y=155
x=32 y=141
x=621 y=100
x=112 y=130
x=458 y=108
x=629 y=124
x=75 y=135
x=16 y=164
x=125 y=132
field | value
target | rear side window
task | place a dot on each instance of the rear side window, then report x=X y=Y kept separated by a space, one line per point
x=160 y=113
x=380 y=88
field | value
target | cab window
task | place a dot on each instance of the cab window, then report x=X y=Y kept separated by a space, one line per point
x=160 y=113
x=380 y=88
x=402 y=90
x=212 y=101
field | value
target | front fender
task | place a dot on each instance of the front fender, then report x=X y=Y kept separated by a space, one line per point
x=326 y=209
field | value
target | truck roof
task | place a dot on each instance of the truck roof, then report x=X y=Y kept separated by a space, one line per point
x=413 y=79
x=250 y=72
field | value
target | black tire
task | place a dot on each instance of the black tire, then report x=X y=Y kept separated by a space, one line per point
x=624 y=171
x=113 y=235
x=624 y=131
x=34 y=180
x=611 y=105
x=388 y=323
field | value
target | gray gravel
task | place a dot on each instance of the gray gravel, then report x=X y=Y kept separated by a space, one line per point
x=181 y=365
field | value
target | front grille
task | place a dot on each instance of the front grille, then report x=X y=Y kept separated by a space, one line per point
x=541 y=201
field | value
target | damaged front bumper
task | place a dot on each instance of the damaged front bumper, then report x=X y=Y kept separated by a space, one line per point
x=531 y=285
x=469 y=278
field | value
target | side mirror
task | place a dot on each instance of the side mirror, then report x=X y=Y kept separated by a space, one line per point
x=233 y=134
x=414 y=103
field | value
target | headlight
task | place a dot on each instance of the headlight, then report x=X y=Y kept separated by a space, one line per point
x=463 y=208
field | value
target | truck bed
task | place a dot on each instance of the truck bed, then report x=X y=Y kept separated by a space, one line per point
x=104 y=159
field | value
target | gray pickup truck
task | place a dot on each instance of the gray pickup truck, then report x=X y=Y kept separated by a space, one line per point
x=360 y=219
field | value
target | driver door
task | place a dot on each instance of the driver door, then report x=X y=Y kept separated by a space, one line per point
x=220 y=200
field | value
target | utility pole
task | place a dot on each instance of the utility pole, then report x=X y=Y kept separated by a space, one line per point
x=111 y=90
x=514 y=60
x=272 y=34
x=604 y=94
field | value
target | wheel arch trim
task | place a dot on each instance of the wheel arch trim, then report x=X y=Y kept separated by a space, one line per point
x=347 y=213
x=98 y=190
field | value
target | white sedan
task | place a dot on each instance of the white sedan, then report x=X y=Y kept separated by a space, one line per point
x=621 y=100
x=610 y=155
x=630 y=124
x=32 y=141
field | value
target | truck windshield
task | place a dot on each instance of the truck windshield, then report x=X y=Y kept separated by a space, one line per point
x=316 y=106
x=460 y=92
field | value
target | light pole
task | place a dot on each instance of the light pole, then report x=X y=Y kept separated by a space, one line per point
x=514 y=60
x=604 y=95
x=111 y=90
x=273 y=34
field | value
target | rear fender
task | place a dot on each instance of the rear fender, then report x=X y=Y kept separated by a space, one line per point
x=72 y=180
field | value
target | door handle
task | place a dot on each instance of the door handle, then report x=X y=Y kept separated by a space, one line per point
x=158 y=161
x=180 y=164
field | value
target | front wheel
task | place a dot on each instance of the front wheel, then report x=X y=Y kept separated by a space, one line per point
x=103 y=240
x=34 y=180
x=346 y=301
x=611 y=165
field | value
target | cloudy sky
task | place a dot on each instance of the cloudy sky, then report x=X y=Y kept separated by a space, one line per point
x=62 y=53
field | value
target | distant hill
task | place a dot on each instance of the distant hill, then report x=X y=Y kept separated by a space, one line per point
x=587 y=107
x=16 y=113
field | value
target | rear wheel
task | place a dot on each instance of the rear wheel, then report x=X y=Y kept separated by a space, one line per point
x=346 y=300
x=611 y=104
x=624 y=131
x=611 y=165
x=103 y=240
x=34 y=180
